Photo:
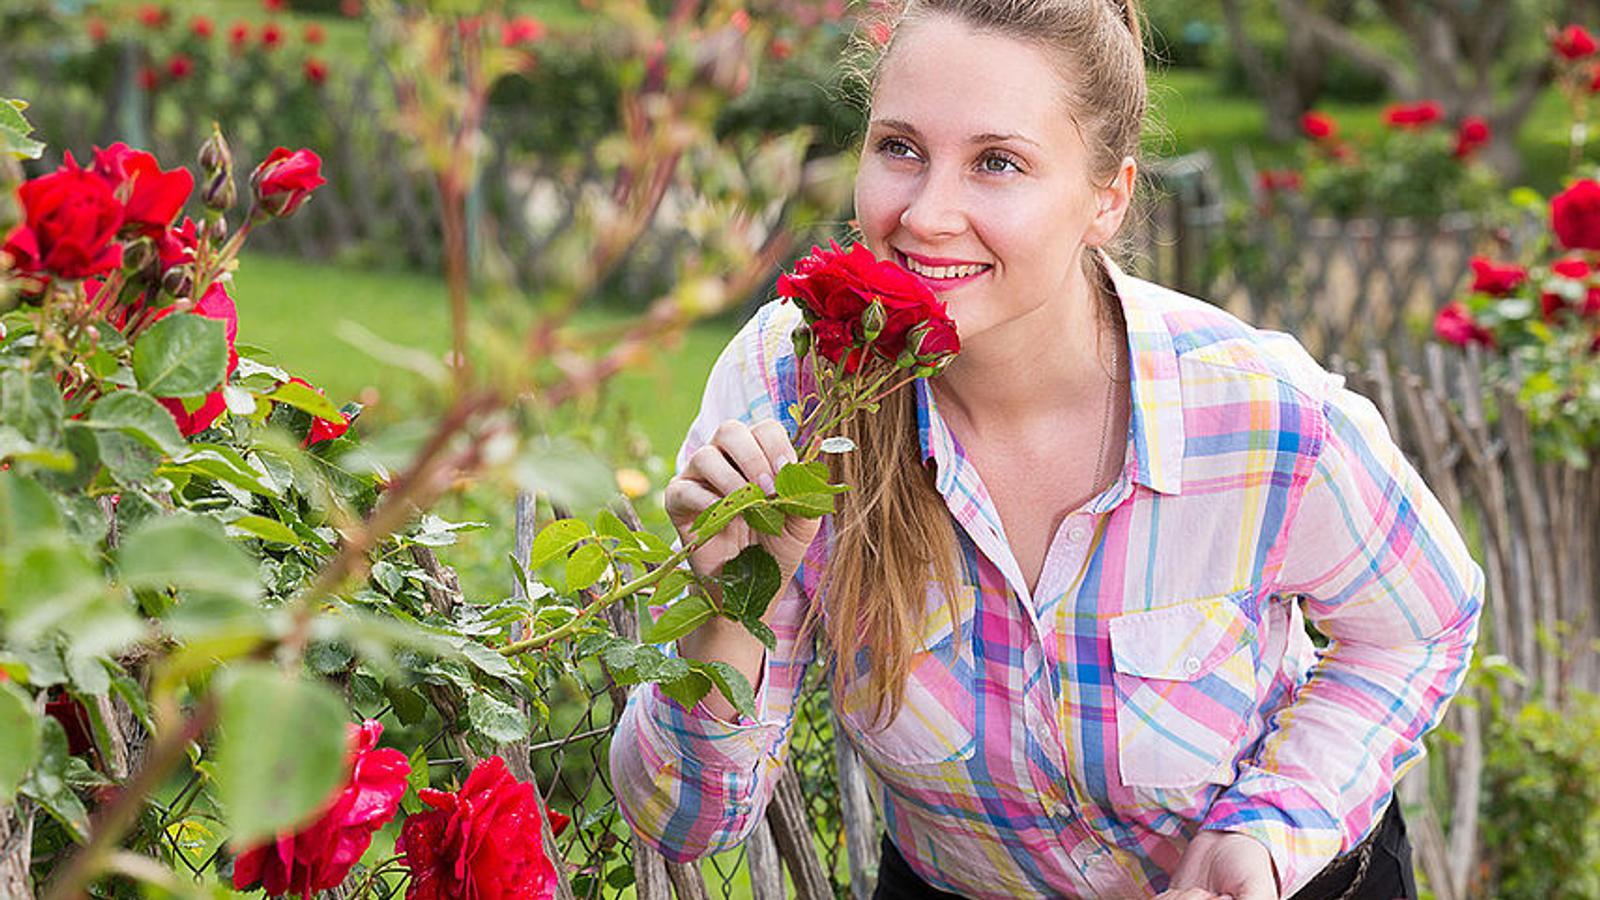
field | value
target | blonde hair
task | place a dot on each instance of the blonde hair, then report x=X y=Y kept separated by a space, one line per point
x=893 y=533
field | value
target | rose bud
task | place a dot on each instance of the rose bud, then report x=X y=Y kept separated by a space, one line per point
x=285 y=179
x=142 y=261
x=219 y=193
x=215 y=153
x=179 y=281
x=802 y=341
x=873 y=318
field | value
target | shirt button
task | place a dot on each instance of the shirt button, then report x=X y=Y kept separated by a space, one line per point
x=1077 y=533
x=1191 y=665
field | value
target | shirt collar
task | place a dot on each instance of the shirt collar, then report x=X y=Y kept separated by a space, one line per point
x=1155 y=430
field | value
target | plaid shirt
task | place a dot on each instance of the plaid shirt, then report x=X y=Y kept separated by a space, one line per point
x=1159 y=680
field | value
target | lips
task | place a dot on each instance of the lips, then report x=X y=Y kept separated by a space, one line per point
x=942 y=274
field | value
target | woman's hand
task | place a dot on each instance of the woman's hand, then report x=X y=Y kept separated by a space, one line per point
x=737 y=454
x=1224 y=864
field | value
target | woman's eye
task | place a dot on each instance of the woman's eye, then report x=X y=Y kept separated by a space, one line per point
x=896 y=148
x=997 y=163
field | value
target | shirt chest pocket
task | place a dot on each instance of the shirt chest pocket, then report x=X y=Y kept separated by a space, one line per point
x=1185 y=681
x=935 y=724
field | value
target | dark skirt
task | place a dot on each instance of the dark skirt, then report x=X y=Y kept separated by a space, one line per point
x=1379 y=869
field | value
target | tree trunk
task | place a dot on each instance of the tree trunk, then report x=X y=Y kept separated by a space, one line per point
x=16 y=850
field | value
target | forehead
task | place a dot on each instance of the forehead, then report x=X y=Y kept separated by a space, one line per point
x=946 y=77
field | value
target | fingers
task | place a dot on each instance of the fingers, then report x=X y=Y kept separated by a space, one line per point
x=739 y=444
x=775 y=443
x=736 y=455
x=686 y=498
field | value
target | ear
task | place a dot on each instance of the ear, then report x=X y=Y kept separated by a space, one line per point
x=1112 y=202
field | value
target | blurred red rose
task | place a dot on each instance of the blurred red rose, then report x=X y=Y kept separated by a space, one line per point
x=1575 y=216
x=485 y=841
x=1490 y=277
x=1573 y=42
x=239 y=35
x=1274 y=181
x=152 y=197
x=1318 y=126
x=273 y=6
x=780 y=49
x=201 y=27
x=1413 y=115
x=316 y=71
x=149 y=79
x=314 y=34
x=320 y=855
x=96 y=28
x=521 y=30
x=271 y=35
x=1473 y=134
x=152 y=16
x=351 y=9
x=74 y=719
x=322 y=429
x=69 y=226
x=1455 y=325
x=285 y=179
x=180 y=67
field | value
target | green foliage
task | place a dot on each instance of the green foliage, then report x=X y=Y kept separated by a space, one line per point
x=14 y=131
x=1541 y=806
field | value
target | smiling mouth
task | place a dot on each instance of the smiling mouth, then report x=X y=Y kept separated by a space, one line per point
x=942 y=273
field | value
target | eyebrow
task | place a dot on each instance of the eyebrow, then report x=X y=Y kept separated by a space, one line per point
x=988 y=137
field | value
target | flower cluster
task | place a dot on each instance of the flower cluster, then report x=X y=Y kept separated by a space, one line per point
x=1418 y=166
x=485 y=841
x=176 y=51
x=869 y=319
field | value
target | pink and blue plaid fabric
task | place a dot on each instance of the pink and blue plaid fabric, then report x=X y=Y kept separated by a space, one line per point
x=1071 y=740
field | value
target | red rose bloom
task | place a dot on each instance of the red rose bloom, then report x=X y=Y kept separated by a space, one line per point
x=285 y=179
x=153 y=197
x=350 y=9
x=70 y=220
x=149 y=79
x=239 y=35
x=314 y=35
x=484 y=842
x=1489 y=277
x=780 y=49
x=96 y=27
x=521 y=30
x=1413 y=115
x=1455 y=325
x=322 y=429
x=152 y=16
x=180 y=67
x=176 y=245
x=318 y=857
x=1570 y=267
x=1274 y=181
x=1474 y=133
x=272 y=6
x=1575 y=216
x=271 y=35
x=1318 y=126
x=316 y=71
x=1574 y=42
x=201 y=27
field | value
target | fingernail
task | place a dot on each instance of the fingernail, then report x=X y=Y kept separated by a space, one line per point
x=766 y=482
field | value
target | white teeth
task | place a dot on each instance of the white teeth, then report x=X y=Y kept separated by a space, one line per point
x=943 y=271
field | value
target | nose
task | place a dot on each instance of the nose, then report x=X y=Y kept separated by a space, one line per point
x=934 y=209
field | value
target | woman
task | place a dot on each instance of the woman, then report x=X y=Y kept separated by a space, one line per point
x=1066 y=602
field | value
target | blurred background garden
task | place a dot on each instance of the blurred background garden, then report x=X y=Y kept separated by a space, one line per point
x=1329 y=167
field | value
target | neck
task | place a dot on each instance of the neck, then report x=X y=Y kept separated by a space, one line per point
x=1056 y=357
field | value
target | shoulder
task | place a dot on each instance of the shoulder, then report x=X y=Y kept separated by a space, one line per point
x=755 y=375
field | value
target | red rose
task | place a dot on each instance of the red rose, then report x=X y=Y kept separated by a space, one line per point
x=1455 y=325
x=239 y=35
x=314 y=35
x=1493 y=278
x=1413 y=115
x=216 y=304
x=74 y=719
x=176 y=245
x=180 y=67
x=1474 y=133
x=521 y=30
x=319 y=856
x=1574 y=42
x=1318 y=126
x=149 y=79
x=96 y=27
x=322 y=429
x=837 y=286
x=351 y=9
x=272 y=6
x=780 y=49
x=484 y=842
x=1570 y=267
x=316 y=71
x=152 y=16
x=285 y=179
x=201 y=27
x=833 y=340
x=1575 y=216
x=70 y=220
x=1273 y=181
x=271 y=35
x=152 y=197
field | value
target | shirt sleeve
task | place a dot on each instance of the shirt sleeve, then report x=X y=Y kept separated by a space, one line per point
x=690 y=783
x=1385 y=576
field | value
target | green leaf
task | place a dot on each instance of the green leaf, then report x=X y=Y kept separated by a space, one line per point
x=19 y=739
x=484 y=659
x=688 y=689
x=585 y=566
x=608 y=525
x=14 y=131
x=765 y=519
x=265 y=528
x=181 y=356
x=138 y=416
x=281 y=750
x=799 y=479
x=495 y=719
x=762 y=633
x=32 y=405
x=187 y=551
x=45 y=586
x=47 y=782
x=670 y=586
x=805 y=506
x=128 y=459
x=680 y=618
x=749 y=582
x=716 y=516
x=305 y=399
x=555 y=539
x=27 y=512
x=733 y=685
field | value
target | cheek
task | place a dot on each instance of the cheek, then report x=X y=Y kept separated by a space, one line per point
x=879 y=202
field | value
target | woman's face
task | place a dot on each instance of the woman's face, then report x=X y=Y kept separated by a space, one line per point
x=974 y=176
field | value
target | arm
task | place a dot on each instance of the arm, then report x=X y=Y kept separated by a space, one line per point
x=695 y=781
x=1384 y=574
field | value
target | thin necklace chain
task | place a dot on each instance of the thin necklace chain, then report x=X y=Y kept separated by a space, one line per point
x=1105 y=424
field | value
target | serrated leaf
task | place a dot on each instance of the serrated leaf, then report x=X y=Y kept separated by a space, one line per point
x=680 y=618
x=281 y=749
x=305 y=399
x=190 y=552
x=805 y=506
x=607 y=524
x=47 y=783
x=555 y=539
x=181 y=356
x=265 y=529
x=765 y=519
x=585 y=566
x=138 y=416
x=495 y=719
x=14 y=131
x=733 y=685
x=762 y=633
x=670 y=586
x=749 y=581
x=798 y=479
x=484 y=660
x=19 y=739
x=716 y=516
x=688 y=689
